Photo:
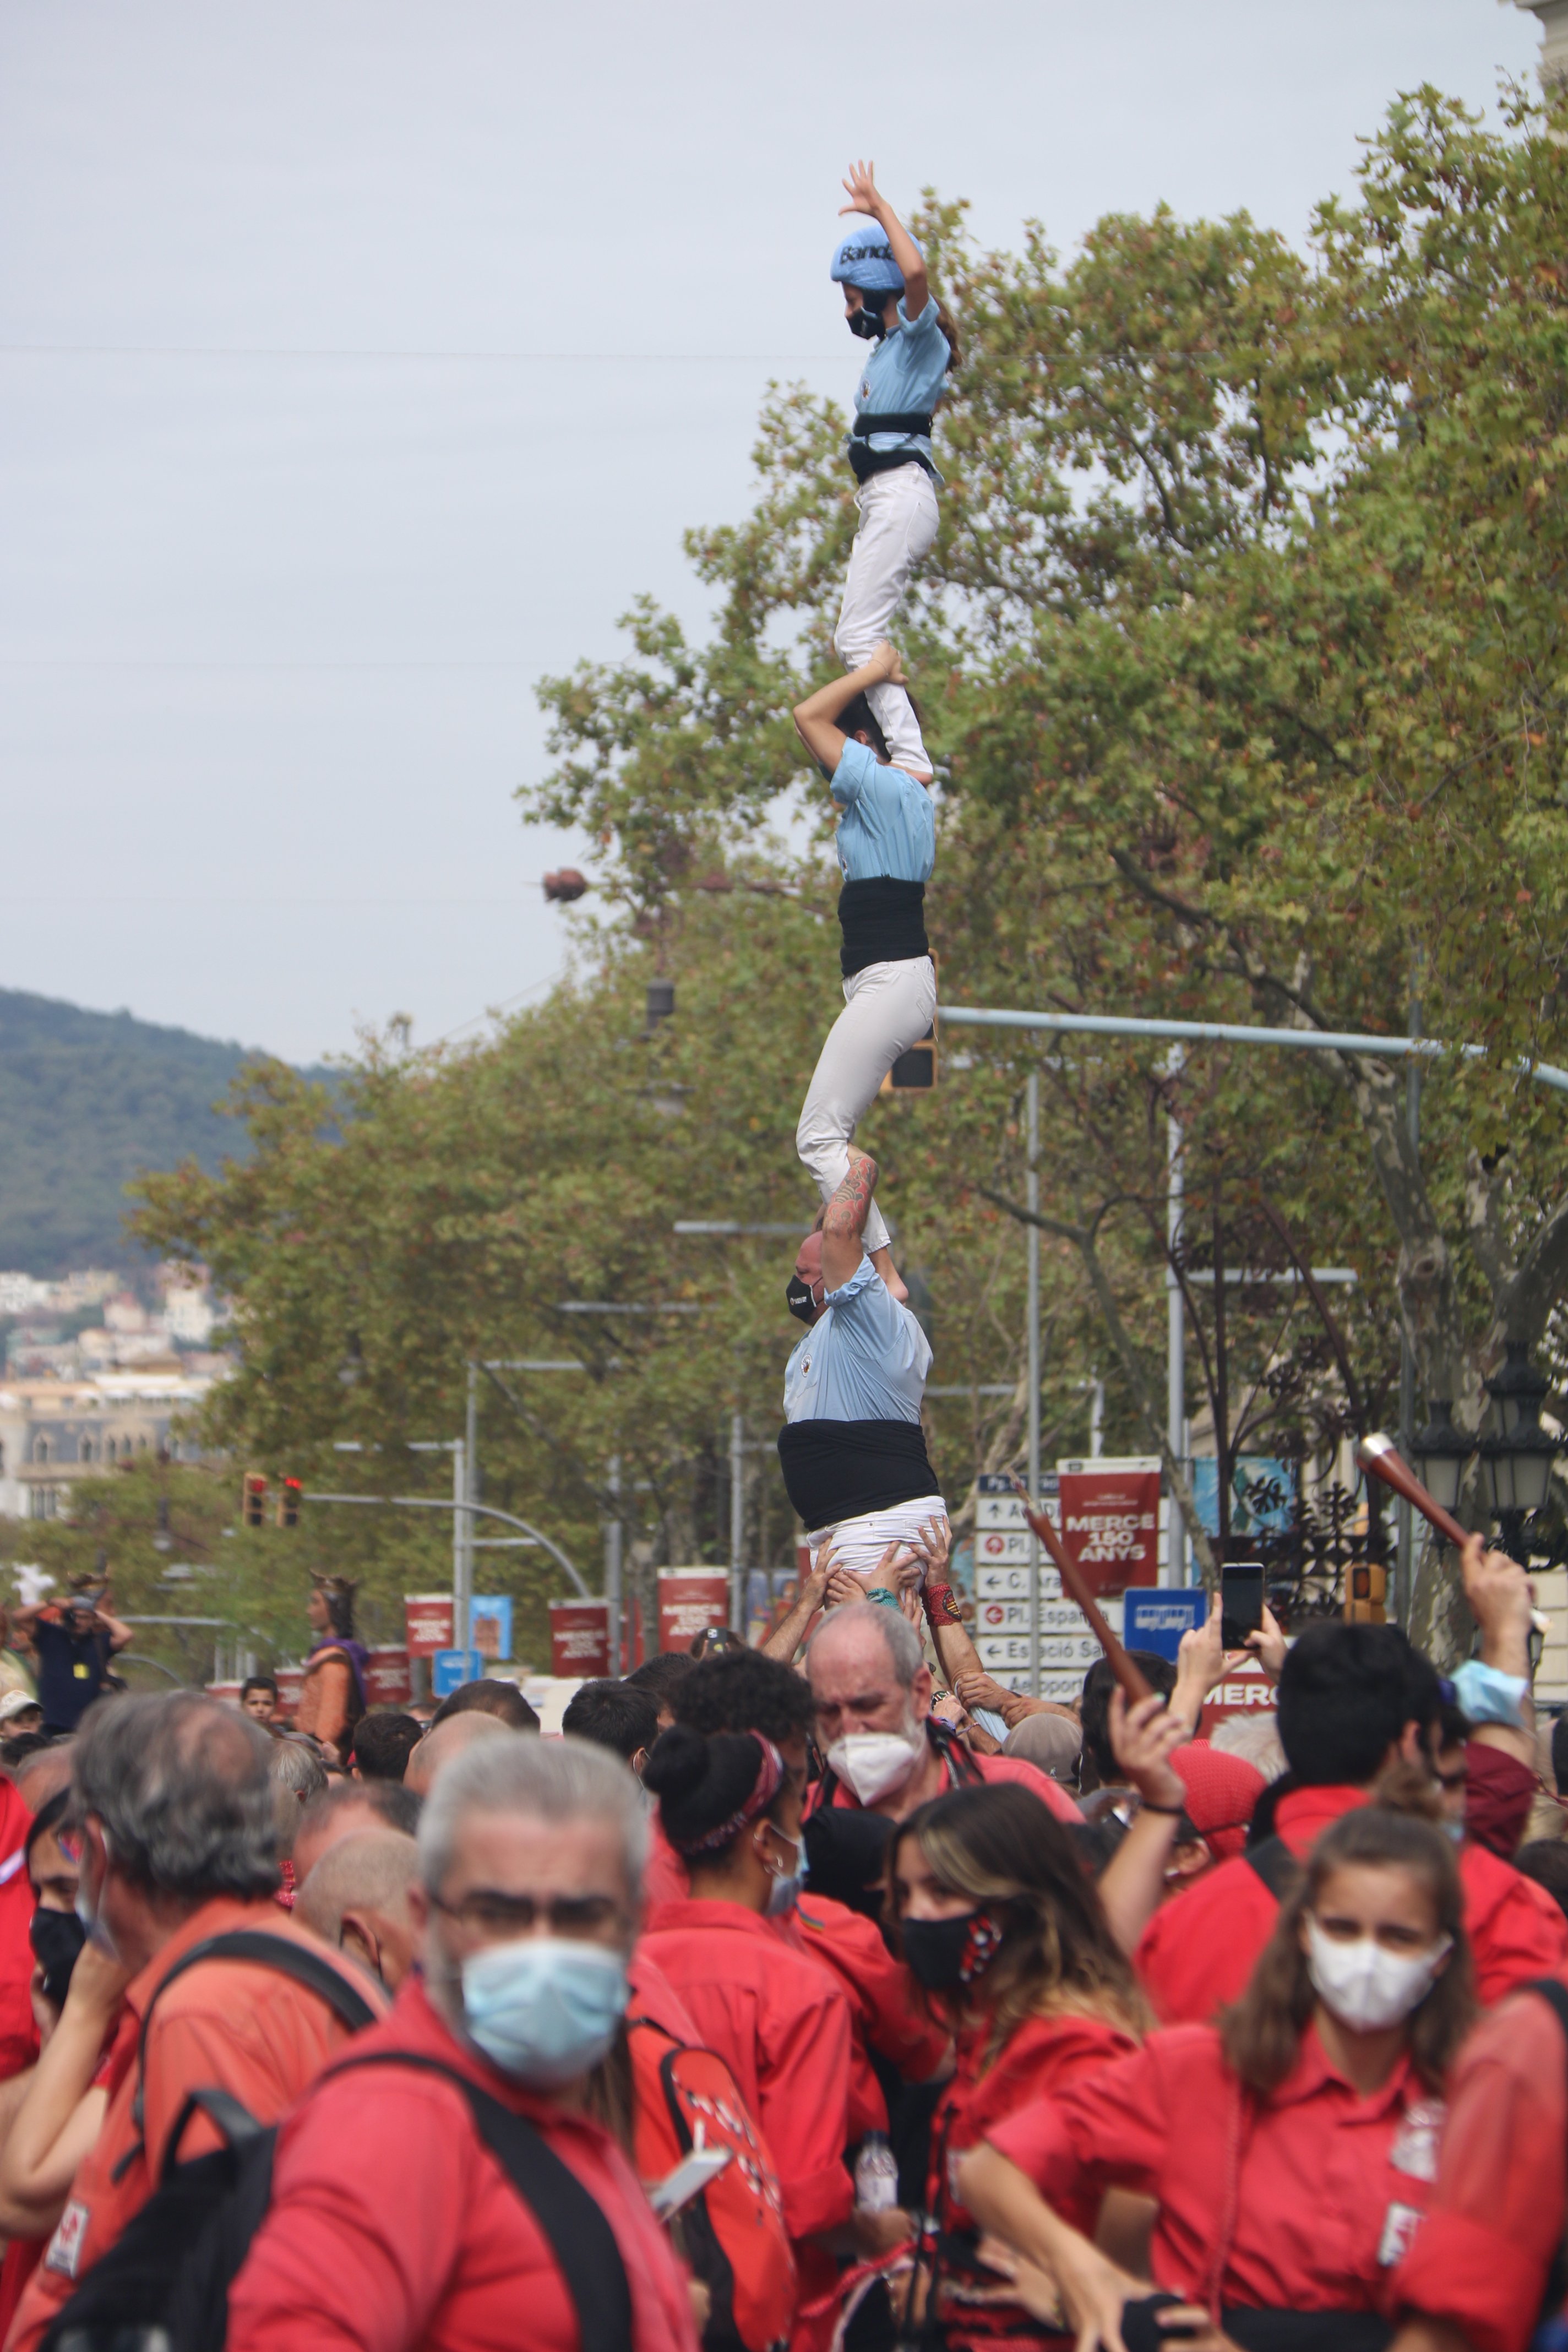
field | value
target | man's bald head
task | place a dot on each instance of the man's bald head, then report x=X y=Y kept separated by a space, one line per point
x=445 y=1740
x=357 y=1898
x=868 y=1672
x=346 y=1810
x=44 y=1774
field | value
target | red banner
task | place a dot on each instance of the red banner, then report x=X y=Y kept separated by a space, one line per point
x=428 y=1622
x=1245 y=1691
x=227 y=1692
x=580 y=1639
x=690 y=1600
x=290 y=1681
x=1110 y=1521
x=387 y=1682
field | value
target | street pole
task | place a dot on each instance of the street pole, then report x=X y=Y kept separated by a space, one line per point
x=1404 y=1550
x=1032 y=1201
x=1175 y=1329
x=737 y=1524
x=613 y=1567
x=462 y=1571
x=470 y=1480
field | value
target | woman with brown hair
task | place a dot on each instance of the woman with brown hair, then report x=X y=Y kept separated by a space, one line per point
x=1001 y=1925
x=1290 y=2148
x=333 y=1695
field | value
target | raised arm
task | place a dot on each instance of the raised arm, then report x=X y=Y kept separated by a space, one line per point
x=844 y=1226
x=860 y=186
x=815 y=719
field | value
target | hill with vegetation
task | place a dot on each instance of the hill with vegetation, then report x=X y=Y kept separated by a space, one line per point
x=87 y=1101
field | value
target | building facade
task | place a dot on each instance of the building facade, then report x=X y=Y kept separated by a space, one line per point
x=53 y=1432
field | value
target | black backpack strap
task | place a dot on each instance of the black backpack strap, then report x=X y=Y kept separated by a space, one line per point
x=238 y=2124
x=580 y=2239
x=1276 y=1866
x=285 y=1958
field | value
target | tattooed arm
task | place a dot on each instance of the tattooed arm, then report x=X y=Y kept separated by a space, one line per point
x=844 y=1226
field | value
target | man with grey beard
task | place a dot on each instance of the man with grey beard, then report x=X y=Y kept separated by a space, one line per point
x=404 y=2212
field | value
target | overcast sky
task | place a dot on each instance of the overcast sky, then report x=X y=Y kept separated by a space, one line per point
x=360 y=362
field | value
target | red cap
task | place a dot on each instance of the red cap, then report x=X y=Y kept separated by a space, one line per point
x=1221 y=1793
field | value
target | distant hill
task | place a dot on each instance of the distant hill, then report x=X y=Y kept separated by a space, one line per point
x=87 y=1100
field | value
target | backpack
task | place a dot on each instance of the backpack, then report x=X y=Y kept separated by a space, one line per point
x=163 y=2285
x=732 y=2231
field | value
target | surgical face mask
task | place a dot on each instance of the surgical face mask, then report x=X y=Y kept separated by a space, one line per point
x=1364 y=1987
x=867 y=323
x=544 y=2009
x=873 y=1763
x=790 y=1885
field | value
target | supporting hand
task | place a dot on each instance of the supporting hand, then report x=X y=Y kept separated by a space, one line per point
x=860 y=187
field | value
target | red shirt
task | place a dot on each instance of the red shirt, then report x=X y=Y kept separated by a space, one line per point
x=1299 y=2201
x=1199 y=1950
x=781 y=2024
x=18 y=2032
x=887 y=2013
x=1041 y=2056
x=1499 y=2203
x=392 y=2227
x=226 y=2025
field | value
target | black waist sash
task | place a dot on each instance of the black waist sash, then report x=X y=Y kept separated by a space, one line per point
x=1306 y=2331
x=834 y=1470
x=883 y=921
x=864 y=461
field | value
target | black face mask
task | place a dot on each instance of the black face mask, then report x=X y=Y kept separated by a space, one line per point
x=944 y=1954
x=57 y=1938
x=867 y=323
x=801 y=1303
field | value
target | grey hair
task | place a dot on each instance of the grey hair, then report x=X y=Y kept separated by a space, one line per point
x=180 y=1784
x=295 y=1766
x=903 y=1643
x=563 y=1780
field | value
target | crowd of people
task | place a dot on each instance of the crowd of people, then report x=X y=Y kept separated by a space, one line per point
x=823 y=1993
x=775 y=2001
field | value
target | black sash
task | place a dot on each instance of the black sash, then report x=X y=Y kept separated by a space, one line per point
x=834 y=1470
x=864 y=461
x=883 y=921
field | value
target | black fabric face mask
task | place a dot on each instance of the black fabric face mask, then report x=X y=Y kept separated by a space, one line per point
x=867 y=324
x=944 y=1954
x=797 y=1295
x=56 y=1939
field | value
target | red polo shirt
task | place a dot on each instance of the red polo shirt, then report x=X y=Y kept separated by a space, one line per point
x=780 y=2022
x=993 y=1769
x=18 y=2032
x=1041 y=2056
x=392 y=2228
x=1198 y=1951
x=1299 y=2201
x=1499 y=2205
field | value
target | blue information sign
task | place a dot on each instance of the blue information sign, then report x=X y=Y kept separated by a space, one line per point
x=1157 y=1620
x=450 y=1669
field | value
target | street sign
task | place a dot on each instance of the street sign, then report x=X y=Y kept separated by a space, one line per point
x=1157 y=1620
x=450 y=1669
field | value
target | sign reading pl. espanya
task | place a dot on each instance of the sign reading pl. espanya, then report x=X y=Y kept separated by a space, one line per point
x=1110 y=1518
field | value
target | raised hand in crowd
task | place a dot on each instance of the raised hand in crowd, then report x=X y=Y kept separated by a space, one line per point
x=1143 y=1738
x=794 y=1626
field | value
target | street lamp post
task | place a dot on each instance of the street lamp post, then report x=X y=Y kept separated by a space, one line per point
x=1517 y=1458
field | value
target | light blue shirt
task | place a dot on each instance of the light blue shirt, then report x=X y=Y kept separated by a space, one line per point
x=865 y=1359
x=888 y=825
x=903 y=374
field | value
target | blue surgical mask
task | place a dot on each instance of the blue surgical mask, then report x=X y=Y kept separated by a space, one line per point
x=544 y=2009
x=789 y=1886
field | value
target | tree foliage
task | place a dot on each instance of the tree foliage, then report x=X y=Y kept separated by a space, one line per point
x=1241 y=647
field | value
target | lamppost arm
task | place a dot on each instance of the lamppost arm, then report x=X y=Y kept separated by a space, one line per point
x=483 y=1510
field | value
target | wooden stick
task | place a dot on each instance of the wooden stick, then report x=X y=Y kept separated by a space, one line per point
x=1378 y=1454
x=1130 y=1676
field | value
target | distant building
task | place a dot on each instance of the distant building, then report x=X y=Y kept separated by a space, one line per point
x=20 y=1295
x=55 y=1431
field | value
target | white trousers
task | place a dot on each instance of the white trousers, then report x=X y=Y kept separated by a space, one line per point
x=898 y=529
x=860 y=1542
x=887 y=1008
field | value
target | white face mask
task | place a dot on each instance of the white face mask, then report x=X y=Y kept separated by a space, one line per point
x=1366 y=1988
x=874 y=1763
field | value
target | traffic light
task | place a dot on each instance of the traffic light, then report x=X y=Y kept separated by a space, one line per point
x=253 y=1500
x=914 y=1072
x=291 y=1492
x=1366 y=1592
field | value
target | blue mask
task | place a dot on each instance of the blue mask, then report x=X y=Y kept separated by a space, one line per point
x=789 y=1886
x=544 y=2009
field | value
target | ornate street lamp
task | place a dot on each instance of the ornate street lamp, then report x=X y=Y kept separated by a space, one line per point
x=1441 y=1453
x=1517 y=1458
